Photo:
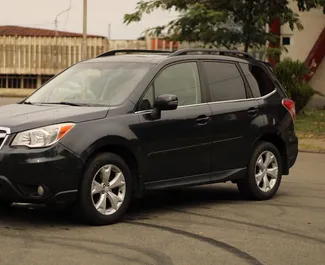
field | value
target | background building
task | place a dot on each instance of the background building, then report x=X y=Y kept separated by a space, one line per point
x=308 y=45
x=30 y=56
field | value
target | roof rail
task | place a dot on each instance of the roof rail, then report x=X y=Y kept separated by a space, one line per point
x=114 y=52
x=213 y=51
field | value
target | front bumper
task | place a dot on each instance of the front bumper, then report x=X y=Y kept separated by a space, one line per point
x=23 y=170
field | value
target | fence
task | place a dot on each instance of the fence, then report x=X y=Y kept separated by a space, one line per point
x=43 y=55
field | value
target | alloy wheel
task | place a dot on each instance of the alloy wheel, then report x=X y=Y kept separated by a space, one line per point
x=266 y=171
x=108 y=189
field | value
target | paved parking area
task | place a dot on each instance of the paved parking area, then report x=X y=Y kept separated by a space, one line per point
x=202 y=225
x=5 y=101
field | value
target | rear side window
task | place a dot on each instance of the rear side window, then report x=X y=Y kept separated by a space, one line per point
x=258 y=80
x=225 y=81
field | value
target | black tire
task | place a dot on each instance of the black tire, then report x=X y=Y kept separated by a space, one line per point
x=86 y=207
x=248 y=187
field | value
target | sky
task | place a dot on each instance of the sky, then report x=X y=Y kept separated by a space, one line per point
x=101 y=13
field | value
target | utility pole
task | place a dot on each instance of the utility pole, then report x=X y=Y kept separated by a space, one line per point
x=84 y=41
x=109 y=31
x=56 y=44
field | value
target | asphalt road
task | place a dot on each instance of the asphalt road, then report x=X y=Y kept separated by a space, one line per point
x=201 y=225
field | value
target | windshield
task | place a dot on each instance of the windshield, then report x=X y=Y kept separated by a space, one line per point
x=92 y=83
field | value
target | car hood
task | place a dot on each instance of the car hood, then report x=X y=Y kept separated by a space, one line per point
x=20 y=117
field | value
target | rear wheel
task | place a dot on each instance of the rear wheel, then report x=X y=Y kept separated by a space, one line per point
x=106 y=190
x=264 y=173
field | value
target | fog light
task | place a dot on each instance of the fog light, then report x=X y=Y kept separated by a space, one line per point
x=40 y=191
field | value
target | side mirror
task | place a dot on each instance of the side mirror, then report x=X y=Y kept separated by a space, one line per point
x=164 y=102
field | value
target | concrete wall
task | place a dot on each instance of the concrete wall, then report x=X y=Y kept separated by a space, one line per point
x=127 y=44
x=318 y=83
x=302 y=41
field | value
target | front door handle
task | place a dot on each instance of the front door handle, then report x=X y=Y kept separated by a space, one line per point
x=252 y=111
x=202 y=120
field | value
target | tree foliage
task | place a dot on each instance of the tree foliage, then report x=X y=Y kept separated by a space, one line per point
x=222 y=22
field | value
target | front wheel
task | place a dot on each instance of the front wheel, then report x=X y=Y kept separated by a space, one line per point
x=106 y=190
x=264 y=173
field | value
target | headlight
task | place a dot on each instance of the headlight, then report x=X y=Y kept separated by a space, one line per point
x=42 y=137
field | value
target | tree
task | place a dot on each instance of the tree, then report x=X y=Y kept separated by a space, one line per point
x=222 y=22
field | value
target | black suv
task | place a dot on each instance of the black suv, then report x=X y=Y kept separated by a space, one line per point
x=108 y=129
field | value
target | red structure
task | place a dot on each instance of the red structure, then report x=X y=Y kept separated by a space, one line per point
x=316 y=55
x=157 y=44
x=275 y=28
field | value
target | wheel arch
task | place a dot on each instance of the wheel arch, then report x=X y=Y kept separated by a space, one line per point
x=126 y=153
x=278 y=142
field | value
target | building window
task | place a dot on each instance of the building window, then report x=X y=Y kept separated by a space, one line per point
x=286 y=41
x=3 y=80
x=45 y=78
x=14 y=81
x=30 y=81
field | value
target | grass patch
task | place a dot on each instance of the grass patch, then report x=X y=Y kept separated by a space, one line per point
x=311 y=124
x=311 y=147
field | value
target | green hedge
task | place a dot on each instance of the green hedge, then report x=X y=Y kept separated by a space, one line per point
x=291 y=75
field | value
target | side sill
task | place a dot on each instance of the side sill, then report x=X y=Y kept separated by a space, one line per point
x=203 y=179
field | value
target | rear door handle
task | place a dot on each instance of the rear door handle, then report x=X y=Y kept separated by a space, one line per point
x=202 y=120
x=252 y=111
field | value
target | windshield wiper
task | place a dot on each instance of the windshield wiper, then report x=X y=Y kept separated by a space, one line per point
x=27 y=103
x=65 y=103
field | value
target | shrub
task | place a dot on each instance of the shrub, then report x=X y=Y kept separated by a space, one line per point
x=291 y=75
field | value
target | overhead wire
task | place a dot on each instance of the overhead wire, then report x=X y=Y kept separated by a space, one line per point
x=68 y=14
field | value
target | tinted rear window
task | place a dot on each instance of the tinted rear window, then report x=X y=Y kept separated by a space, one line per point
x=225 y=81
x=258 y=80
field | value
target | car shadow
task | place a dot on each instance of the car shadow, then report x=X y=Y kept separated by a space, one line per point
x=145 y=208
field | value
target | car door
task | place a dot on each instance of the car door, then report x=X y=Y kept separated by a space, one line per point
x=234 y=118
x=176 y=146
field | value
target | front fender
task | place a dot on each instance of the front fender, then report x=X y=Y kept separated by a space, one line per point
x=85 y=138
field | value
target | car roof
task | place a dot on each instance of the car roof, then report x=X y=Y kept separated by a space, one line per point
x=157 y=58
x=134 y=58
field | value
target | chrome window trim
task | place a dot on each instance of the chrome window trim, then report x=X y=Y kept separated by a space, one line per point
x=4 y=135
x=244 y=99
x=7 y=130
x=214 y=102
x=4 y=141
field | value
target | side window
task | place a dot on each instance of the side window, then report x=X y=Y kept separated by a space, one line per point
x=181 y=80
x=225 y=81
x=258 y=80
